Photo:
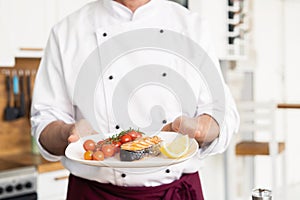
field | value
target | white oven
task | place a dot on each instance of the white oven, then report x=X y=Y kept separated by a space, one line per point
x=18 y=183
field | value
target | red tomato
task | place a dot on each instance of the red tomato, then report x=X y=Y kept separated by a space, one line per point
x=89 y=145
x=117 y=143
x=126 y=138
x=98 y=155
x=108 y=150
x=88 y=155
x=134 y=134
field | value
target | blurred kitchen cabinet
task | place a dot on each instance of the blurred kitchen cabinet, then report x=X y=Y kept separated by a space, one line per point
x=53 y=185
x=28 y=23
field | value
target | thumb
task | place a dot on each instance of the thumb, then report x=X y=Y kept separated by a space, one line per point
x=167 y=127
x=73 y=135
x=73 y=138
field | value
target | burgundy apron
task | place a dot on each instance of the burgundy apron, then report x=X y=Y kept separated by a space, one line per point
x=188 y=187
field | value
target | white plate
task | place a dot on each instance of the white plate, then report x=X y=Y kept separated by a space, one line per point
x=75 y=152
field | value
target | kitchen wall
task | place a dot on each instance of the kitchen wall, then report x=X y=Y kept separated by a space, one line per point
x=276 y=32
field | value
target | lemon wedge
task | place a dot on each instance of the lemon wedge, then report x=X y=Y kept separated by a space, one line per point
x=177 y=148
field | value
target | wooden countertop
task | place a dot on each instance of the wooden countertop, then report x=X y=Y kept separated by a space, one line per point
x=29 y=159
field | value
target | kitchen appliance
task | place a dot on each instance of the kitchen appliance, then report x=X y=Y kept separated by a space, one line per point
x=10 y=113
x=18 y=182
x=261 y=194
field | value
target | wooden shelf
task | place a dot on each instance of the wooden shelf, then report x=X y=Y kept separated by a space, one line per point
x=252 y=148
x=288 y=106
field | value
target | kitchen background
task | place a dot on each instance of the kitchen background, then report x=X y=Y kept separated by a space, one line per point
x=257 y=42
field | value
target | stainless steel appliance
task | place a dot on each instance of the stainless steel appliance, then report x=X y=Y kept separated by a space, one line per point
x=18 y=183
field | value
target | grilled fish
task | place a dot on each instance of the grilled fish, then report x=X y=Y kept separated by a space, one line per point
x=140 y=148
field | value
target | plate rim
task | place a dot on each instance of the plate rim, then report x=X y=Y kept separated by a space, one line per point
x=131 y=164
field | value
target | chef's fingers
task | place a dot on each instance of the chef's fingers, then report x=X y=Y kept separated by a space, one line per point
x=187 y=126
x=73 y=138
x=73 y=134
x=83 y=128
x=167 y=127
x=208 y=128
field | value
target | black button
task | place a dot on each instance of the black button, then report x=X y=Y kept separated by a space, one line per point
x=164 y=121
x=104 y=34
x=117 y=126
x=161 y=31
x=28 y=185
x=164 y=74
x=1 y=190
x=9 y=188
x=111 y=77
x=123 y=175
x=19 y=187
x=167 y=171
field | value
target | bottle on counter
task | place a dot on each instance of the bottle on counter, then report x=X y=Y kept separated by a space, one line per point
x=261 y=194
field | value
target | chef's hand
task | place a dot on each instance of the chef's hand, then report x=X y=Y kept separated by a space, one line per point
x=80 y=129
x=203 y=128
x=57 y=135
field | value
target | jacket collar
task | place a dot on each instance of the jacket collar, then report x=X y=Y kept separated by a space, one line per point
x=123 y=13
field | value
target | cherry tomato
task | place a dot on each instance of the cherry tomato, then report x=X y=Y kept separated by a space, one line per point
x=88 y=155
x=134 y=134
x=117 y=143
x=126 y=138
x=89 y=145
x=108 y=150
x=98 y=155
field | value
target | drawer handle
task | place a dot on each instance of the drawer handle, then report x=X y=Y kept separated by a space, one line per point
x=30 y=49
x=61 y=178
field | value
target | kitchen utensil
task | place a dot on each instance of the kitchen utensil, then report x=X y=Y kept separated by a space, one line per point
x=15 y=89
x=261 y=194
x=16 y=93
x=10 y=113
x=22 y=97
x=28 y=90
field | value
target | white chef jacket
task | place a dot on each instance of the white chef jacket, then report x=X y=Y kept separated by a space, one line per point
x=70 y=44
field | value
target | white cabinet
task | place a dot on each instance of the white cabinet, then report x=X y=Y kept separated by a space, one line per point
x=28 y=23
x=53 y=185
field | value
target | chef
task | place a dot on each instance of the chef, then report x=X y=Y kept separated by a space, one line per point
x=91 y=80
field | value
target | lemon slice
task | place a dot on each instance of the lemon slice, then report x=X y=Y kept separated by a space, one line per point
x=177 y=148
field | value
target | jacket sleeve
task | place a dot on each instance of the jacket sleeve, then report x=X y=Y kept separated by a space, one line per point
x=230 y=122
x=50 y=98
